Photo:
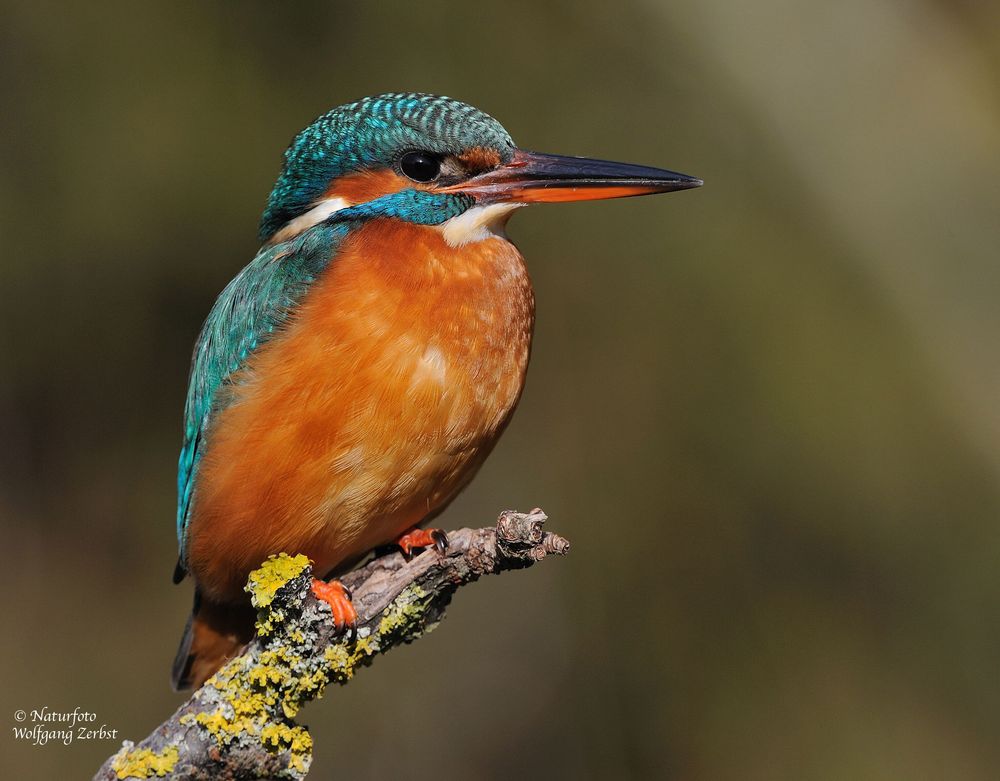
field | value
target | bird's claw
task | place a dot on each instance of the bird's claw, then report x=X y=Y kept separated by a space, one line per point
x=338 y=597
x=440 y=541
x=423 y=538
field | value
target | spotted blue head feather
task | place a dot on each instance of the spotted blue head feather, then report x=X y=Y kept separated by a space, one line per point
x=374 y=133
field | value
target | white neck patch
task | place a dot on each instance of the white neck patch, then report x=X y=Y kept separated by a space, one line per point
x=477 y=223
x=314 y=216
x=471 y=226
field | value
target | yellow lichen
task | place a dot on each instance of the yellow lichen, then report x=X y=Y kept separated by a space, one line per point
x=265 y=582
x=262 y=675
x=343 y=661
x=258 y=698
x=404 y=613
x=145 y=763
x=252 y=694
x=296 y=740
x=274 y=573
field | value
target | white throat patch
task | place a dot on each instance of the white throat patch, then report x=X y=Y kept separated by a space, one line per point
x=477 y=223
x=472 y=225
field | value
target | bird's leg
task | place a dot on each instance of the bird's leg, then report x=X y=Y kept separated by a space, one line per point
x=336 y=595
x=422 y=538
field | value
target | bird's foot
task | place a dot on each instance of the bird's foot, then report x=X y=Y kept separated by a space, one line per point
x=336 y=595
x=423 y=538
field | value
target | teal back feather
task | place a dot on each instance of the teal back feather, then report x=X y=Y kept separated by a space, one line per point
x=247 y=312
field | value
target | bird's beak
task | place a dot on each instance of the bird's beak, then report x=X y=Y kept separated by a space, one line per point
x=533 y=177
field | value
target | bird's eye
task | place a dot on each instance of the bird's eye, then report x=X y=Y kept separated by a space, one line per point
x=420 y=166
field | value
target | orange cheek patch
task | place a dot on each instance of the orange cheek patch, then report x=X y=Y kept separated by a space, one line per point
x=366 y=186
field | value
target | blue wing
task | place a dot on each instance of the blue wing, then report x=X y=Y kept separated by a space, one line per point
x=251 y=308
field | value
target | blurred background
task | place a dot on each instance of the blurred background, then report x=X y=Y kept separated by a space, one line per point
x=764 y=412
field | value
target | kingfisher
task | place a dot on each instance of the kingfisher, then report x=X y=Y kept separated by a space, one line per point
x=349 y=382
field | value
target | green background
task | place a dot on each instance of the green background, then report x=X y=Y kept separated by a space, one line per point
x=764 y=412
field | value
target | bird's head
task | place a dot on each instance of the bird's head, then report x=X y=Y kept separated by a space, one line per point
x=428 y=159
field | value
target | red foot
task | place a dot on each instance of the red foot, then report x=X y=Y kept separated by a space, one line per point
x=339 y=600
x=423 y=538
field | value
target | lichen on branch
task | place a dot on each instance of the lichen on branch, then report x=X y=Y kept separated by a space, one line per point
x=241 y=723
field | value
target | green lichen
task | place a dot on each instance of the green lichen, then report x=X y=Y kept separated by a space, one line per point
x=403 y=620
x=144 y=762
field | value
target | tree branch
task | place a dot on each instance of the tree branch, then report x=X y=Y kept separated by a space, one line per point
x=241 y=723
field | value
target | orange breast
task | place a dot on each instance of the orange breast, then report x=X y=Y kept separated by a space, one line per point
x=370 y=411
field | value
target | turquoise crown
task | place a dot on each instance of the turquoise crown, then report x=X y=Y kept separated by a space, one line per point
x=374 y=133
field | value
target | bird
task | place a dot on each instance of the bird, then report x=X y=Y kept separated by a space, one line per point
x=349 y=382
